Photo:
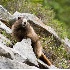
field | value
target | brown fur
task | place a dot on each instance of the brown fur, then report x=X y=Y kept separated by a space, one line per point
x=19 y=32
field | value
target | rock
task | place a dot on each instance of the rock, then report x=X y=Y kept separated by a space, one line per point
x=6 y=63
x=4 y=27
x=5 y=41
x=20 y=56
x=11 y=53
x=43 y=65
x=66 y=42
x=4 y=13
x=53 y=67
x=25 y=49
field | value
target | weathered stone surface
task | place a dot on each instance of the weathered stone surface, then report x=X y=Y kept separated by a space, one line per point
x=4 y=27
x=6 y=63
x=43 y=65
x=25 y=49
x=66 y=42
x=4 y=13
x=8 y=52
x=20 y=55
x=5 y=40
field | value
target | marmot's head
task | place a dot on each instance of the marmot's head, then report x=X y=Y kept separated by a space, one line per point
x=23 y=21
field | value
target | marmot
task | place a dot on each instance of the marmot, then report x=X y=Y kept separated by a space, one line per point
x=22 y=29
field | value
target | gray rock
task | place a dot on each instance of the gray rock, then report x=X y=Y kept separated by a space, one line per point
x=5 y=40
x=25 y=49
x=4 y=27
x=4 y=13
x=6 y=63
x=18 y=54
x=43 y=65
x=11 y=53
x=66 y=42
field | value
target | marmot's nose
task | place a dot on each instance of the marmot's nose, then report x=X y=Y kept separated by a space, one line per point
x=24 y=23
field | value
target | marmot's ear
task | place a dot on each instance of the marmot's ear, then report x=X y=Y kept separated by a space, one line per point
x=19 y=18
